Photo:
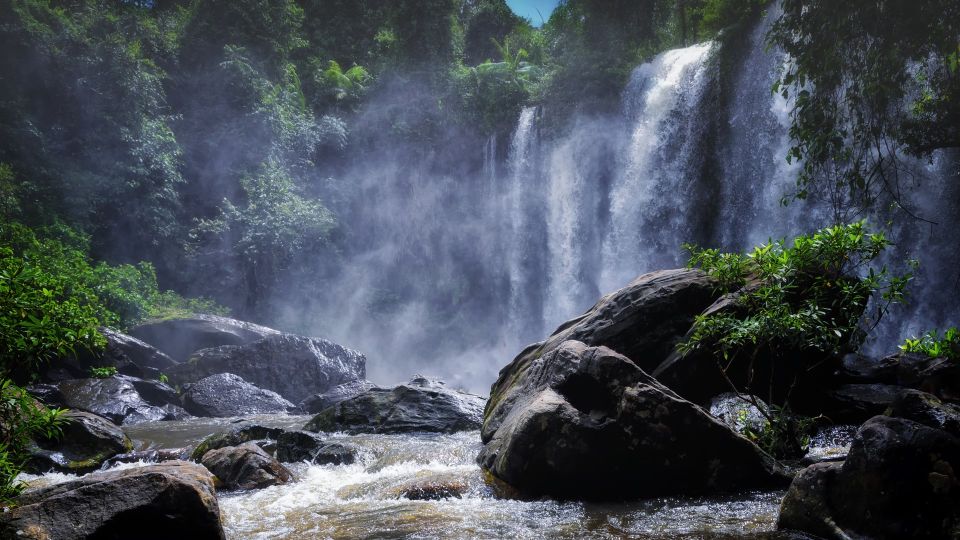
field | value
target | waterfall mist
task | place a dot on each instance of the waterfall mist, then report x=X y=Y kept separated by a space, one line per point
x=459 y=257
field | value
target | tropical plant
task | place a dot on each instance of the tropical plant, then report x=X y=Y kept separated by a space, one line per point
x=104 y=372
x=22 y=419
x=934 y=345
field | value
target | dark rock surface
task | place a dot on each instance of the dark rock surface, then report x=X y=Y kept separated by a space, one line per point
x=88 y=440
x=236 y=435
x=146 y=456
x=421 y=405
x=245 y=467
x=113 y=398
x=857 y=403
x=295 y=367
x=179 y=338
x=740 y=412
x=126 y=353
x=587 y=423
x=157 y=502
x=226 y=394
x=898 y=481
x=296 y=446
x=319 y=402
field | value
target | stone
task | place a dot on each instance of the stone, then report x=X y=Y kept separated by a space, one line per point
x=241 y=432
x=587 y=423
x=899 y=479
x=297 y=446
x=245 y=467
x=87 y=441
x=422 y=405
x=127 y=354
x=318 y=402
x=113 y=398
x=740 y=412
x=175 y=499
x=225 y=394
x=181 y=337
x=295 y=367
x=146 y=456
x=857 y=403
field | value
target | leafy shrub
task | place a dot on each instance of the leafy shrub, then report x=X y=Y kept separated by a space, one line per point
x=935 y=346
x=809 y=296
x=104 y=372
x=21 y=420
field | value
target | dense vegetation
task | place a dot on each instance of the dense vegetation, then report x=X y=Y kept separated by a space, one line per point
x=795 y=308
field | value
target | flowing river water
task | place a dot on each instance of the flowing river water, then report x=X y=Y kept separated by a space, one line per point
x=363 y=500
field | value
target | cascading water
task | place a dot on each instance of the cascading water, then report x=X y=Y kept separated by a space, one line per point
x=649 y=207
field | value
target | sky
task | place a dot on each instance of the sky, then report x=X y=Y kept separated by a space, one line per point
x=528 y=9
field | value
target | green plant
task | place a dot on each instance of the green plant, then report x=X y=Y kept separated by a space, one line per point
x=934 y=345
x=792 y=308
x=163 y=378
x=104 y=372
x=22 y=419
x=783 y=434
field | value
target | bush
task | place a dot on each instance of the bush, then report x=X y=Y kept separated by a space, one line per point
x=104 y=372
x=21 y=420
x=935 y=346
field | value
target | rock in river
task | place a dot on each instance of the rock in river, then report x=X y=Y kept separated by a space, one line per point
x=226 y=394
x=175 y=499
x=295 y=367
x=587 y=423
x=114 y=398
x=245 y=467
x=421 y=405
x=294 y=446
x=900 y=479
x=319 y=402
x=180 y=338
x=87 y=441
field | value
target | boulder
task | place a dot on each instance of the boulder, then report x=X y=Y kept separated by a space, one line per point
x=435 y=488
x=157 y=502
x=928 y=410
x=857 y=403
x=857 y=368
x=422 y=405
x=126 y=353
x=179 y=338
x=740 y=412
x=146 y=456
x=87 y=441
x=898 y=481
x=236 y=435
x=113 y=398
x=319 y=402
x=937 y=376
x=295 y=367
x=587 y=423
x=245 y=467
x=296 y=446
x=153 y=392
x=226 y=394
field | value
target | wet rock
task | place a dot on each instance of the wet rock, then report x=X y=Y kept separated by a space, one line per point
x=587 y=423
x=153 y=392
x=87 y=441
x=422 y=405
x=898 y=481
x=296 y=446
x=179 y=338
x=928 y=410
x=126 y=353
x=856 y=403
x=740 y=412
x=226 y=394
x=937 y=376
x=157 y=502
x=295 y=367
x=146 y=456
x=245 y=467
x=318 y=402
x=113 y=398
x=241 y=432
x=433 y=489
x=857 y=368
x=48 y=394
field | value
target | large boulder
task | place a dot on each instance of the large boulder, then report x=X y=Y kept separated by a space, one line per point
x=422 y=405
x=321 y=401
x=245 y=467
x=126 y=353
x=587 y=423
x=900 y=479
x=179 y=338
x=239 y=433
x=156 y=502
x=295 y=367
x=296 y=446
x=87 y=441
x=857 y=403
x=226 y=394
x=114 y=398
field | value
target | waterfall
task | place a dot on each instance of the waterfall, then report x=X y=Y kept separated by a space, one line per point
x=521 y=212
x=649 y=201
